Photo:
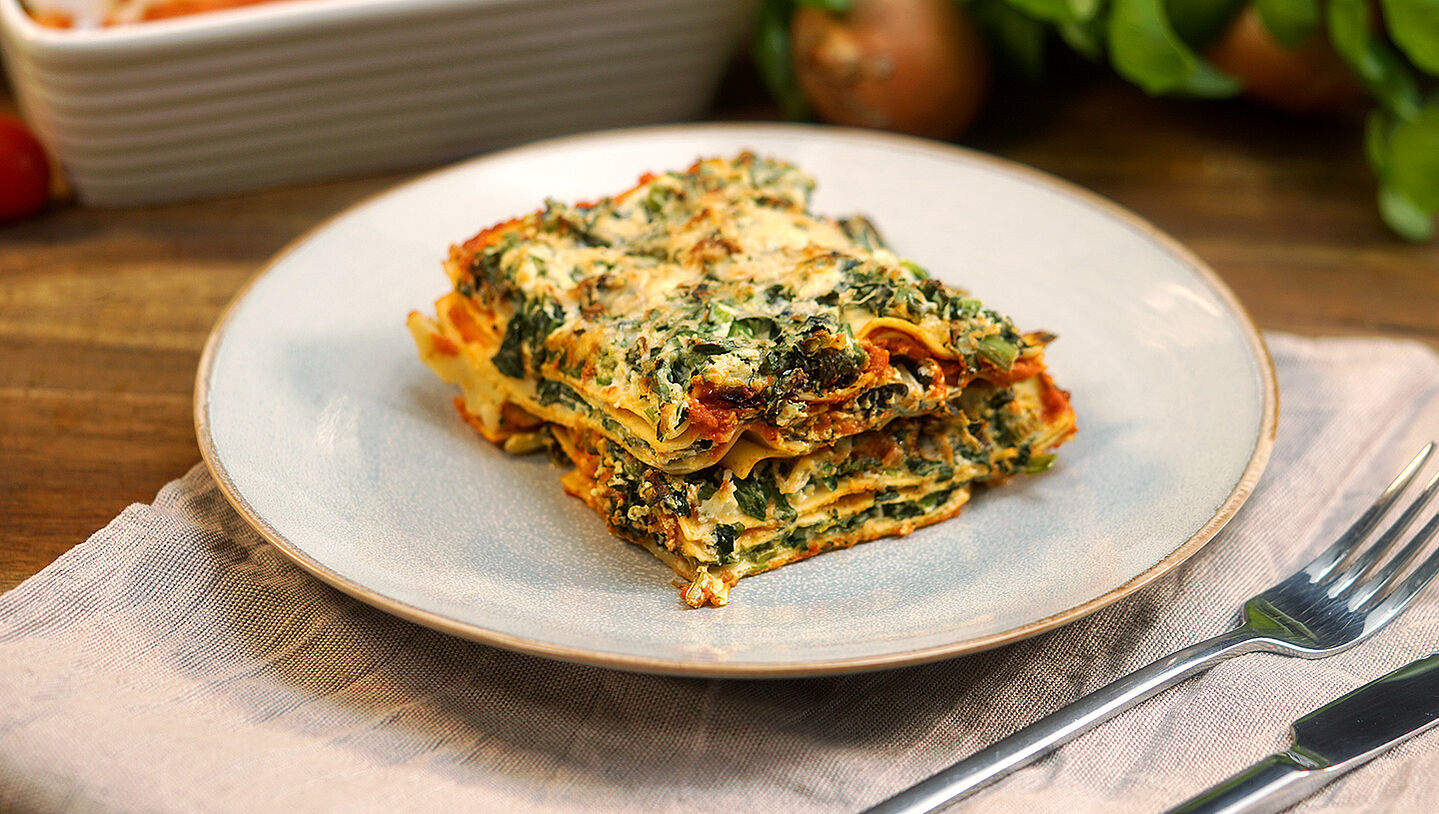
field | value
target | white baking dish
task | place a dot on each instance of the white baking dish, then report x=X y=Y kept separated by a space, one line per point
x=280 y=92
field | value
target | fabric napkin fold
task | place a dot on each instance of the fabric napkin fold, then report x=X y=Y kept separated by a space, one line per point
x=175 y=662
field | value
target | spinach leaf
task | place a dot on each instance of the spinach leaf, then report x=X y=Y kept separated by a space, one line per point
x=508 y=359
x=901 y=511
x=1055 y=11
x=1382 y=70
x=1414 y=27
x=1413 y=165
x=861 y=231
x=725 y=535
x=527 y=329
x=1145 y=49
x=707 y=490
x=782 y=508
x=753 y=328
x=1404 y=216
x=486 y=265
x=771 y=51
x=1401 y=138
x=934 y=500
x=1290 y=22
x=677 y=502
x=1087 y=37
x=1405 y=156
x=552 y=392
x=750 y=495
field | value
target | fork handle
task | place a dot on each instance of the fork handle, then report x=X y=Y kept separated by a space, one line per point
x=1059 y=727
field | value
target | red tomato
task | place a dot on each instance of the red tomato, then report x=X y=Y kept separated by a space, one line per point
x=24 y=171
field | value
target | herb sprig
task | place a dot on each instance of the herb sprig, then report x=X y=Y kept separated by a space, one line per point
x=1156 y=44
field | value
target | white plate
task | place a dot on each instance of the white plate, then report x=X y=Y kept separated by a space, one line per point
x=327 y=433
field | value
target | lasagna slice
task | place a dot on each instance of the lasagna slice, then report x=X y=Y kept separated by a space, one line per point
x=739 y=383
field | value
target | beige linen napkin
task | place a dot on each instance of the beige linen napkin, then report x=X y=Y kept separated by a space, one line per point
x=175 y=662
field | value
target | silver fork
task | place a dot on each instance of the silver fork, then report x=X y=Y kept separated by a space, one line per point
x=1318 y=611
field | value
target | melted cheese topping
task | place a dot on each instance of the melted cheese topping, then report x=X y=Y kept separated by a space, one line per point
x=741 y=383
x=701 y=304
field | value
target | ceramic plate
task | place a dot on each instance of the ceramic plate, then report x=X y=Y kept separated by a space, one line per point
x=327 y=433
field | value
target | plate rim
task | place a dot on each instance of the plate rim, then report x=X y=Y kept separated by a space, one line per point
x=688 y=666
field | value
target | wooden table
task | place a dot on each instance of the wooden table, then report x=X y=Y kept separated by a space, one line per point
x=103 y=313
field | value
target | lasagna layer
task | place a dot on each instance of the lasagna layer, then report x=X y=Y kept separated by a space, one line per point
x=717 y=526
x=739 y=382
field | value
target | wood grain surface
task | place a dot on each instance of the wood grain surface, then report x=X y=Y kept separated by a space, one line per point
x=103 y=313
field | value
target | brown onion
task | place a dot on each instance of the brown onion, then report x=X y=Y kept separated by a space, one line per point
x=911 y=66
x=1309 y=78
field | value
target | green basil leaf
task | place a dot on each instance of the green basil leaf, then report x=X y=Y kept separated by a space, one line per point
x=1059 y=12
x=1087 y=37
x=1145 y=49
x=1382 y=70
x=832 y=6
x=1348 y=22
x=771 y=50
x=1290 y=22
x=1413 y=159
x=1414 y=27
x=1051 y=11
x=1406 y=218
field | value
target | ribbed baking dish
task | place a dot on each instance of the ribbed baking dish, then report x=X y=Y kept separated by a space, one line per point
x=281 y=92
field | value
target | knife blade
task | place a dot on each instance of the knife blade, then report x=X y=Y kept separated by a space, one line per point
x=1336 y=738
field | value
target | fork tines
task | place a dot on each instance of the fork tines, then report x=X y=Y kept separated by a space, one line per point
x=1380 y=586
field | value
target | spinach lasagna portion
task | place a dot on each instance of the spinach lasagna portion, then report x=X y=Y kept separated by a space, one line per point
x=738 y=382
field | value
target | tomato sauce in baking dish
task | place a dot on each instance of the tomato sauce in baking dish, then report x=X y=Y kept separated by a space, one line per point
x=99 y=13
